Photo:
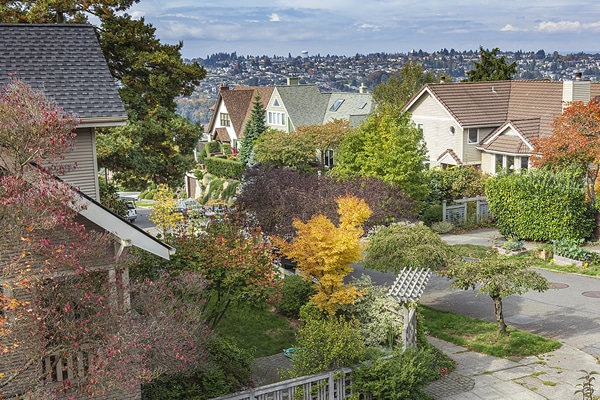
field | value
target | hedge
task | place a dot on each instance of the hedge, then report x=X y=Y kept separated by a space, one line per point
x=540 y=205
x=224 y=168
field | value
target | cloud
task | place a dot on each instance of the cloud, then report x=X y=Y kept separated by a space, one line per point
x=511 y=28
x=368 y=27
x=560 y=26
x=274 y=17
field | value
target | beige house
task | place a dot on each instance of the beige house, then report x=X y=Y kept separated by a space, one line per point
x=492 y=125
x=67 y=64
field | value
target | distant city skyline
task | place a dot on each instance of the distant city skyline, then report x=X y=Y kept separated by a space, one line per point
x=347 y=27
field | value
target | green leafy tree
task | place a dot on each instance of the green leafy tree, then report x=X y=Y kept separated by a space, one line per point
x=402 y=85
x=387 y=146
x=157 y=144
x=252 y=130
x=163 y=213
x=395 y=247
x=498 y=276
x=278 y=149
x=491 y=67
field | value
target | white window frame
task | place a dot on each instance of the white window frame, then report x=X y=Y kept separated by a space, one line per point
x=276 y=118
x=225 y=120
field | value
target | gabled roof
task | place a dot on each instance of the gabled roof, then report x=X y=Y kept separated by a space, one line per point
x=305 y=104
x=64 y=61
x=221 y=135
x=238 y=102
x=449 y=154
x=495 y=102
x=520 y=143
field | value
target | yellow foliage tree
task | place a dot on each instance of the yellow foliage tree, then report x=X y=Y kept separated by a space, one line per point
x=324 y=252
x=164 y=204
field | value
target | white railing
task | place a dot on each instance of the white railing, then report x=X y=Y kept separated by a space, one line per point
x=333 y=385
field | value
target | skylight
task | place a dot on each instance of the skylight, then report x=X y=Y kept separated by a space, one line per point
x=336 y=105
x=362 y=105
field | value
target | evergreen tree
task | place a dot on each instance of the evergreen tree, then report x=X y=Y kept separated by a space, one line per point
x=491 y=67
x=252 y=130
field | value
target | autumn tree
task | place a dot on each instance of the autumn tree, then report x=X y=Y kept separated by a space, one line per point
x=272 y=198
x=387 y=146
x=252 y=131
x=325 y=137
x=498 y=276
x=575 y=141
x=324 y=252
x=164 y=213
x=402 y=85
x=58 y=302
x=491 y=67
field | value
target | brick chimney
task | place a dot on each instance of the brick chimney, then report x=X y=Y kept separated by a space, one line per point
x=362 y=88
x=442 y=79
x=223 y=87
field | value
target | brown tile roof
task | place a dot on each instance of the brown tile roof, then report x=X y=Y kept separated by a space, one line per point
x=495 y=102
x=452 y=154
x=529 y=129
x=221 y=135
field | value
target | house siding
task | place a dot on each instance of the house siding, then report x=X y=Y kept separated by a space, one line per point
x=280 y=109
x=84 y=175
x=436 y=124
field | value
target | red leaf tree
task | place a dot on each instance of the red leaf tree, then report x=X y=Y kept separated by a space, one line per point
x=575 y=141
x=66 y=326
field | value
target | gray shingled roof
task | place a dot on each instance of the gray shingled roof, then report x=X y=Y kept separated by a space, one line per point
x=351 y=108
x=66 y=63
x=305 y=104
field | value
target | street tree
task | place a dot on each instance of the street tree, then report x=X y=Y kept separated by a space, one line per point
x=402 y=85
x=273 y=197
x=324 y=252
x=398 y=246
x=498 y=276
x=491 y=67
x=164 y=213
x=387 y=146
x=57 y=301
x=575 y=141
x=252 y=131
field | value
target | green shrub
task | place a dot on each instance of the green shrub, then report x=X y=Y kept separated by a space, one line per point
x=230 y=191
x=400 y=377
x=442 y=227
x=224 y=168
x=295 y=293
x=212 y=147
x=228 y=370
x=513 y=244
x=540 y=205
x=432 y=214
x=571 y=248
x=325 y=342
x=214 y=190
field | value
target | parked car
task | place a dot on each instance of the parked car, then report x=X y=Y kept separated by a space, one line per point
x=131 y=211
x=190 y=208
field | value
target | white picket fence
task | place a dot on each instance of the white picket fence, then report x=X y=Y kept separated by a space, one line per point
x=333 y=385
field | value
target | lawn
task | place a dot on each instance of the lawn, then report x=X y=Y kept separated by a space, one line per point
x=258 y=330
x=476 y=251
x=482 y=336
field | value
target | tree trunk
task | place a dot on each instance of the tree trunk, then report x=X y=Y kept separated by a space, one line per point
x=499 y=315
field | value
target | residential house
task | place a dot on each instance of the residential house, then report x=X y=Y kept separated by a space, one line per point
x=67 y=64
x=294 y=105
x=231 y=111
x=491 y=125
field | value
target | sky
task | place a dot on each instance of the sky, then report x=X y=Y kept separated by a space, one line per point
x=347 y=27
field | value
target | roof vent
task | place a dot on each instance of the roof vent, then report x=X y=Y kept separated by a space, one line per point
x=578 y=76
x=442 y=79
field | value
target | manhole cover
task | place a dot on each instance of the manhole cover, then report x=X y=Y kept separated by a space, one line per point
x=559 y=285
x=594 y=294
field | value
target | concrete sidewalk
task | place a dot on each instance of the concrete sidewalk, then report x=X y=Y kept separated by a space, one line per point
x=551 y=376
